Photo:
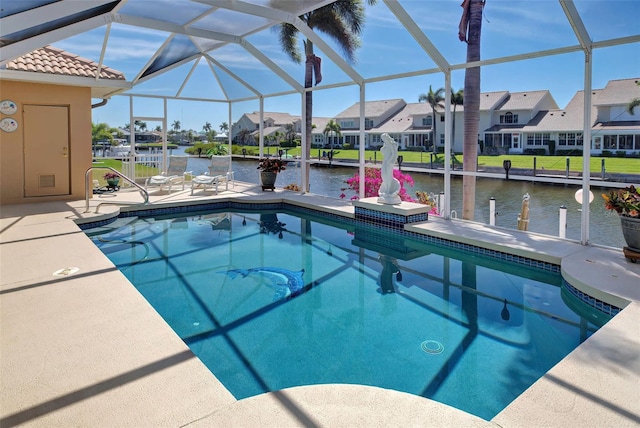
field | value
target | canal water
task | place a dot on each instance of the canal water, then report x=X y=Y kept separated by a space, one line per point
x=544 y=204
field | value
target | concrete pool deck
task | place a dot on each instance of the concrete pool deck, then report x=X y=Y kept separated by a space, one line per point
x=86 y=349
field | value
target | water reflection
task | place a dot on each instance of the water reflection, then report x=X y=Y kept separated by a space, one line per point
x=544 y=204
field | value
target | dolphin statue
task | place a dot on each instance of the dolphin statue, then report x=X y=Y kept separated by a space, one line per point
x=287 y=283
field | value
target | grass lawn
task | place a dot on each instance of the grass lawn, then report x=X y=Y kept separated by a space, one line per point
x=98 y=173
x=612 y=164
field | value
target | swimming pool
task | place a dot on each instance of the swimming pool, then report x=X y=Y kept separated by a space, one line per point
x=279 y=298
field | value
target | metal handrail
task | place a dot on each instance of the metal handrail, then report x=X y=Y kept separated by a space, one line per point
x=87 y=186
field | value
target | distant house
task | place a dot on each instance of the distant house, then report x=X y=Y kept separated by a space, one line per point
x=376 y=113
x=615 y=129
x=510 y=122
x=274 y=123
x=511 y=116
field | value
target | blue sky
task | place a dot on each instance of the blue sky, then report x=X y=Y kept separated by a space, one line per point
x=509 y=28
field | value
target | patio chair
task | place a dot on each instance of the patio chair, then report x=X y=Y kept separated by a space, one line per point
x=221 y=167
x=176 y=173
x=204 y=181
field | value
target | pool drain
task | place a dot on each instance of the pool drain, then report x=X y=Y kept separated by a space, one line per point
x=432 y=347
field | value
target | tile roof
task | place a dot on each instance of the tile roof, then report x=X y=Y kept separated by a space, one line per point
x=568 y=119
x=51 y=60
x=523 y=100
x=619 y=92
x=373 y=108
x=403 y=120
x=278 y=118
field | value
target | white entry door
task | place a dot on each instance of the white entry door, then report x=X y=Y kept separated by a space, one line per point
x=515 y=142
x=46 y=150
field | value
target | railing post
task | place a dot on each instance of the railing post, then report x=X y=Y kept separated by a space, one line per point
x=441 y=203
x=562 y=228
x=568 y=167
x=492 y=211
x=603 y=169
x=535 y=163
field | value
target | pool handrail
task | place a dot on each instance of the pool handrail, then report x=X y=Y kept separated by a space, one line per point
x=87 y=186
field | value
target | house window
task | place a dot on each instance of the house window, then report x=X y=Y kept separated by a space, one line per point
x=346 y=124
x=570 y=139
x=508 y=117
x=368 y=123
x=427 y=121
x=538 y=139
x=442 y=118
x=625 y=142
x=442 y=139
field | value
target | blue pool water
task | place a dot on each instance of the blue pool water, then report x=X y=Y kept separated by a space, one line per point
x=275 y=299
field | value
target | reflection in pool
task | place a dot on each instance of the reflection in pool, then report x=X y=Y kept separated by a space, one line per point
x=275 y=299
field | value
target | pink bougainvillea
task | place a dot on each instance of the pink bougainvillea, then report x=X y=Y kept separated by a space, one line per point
x=372 y=182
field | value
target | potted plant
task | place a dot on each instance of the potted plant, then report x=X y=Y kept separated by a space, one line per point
x=269 y=169
x=113 y=179
x=626 y=202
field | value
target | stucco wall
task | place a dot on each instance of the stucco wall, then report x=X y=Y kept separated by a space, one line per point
x=78 y=100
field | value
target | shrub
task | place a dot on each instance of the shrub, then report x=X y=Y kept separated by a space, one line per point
x=373 y=180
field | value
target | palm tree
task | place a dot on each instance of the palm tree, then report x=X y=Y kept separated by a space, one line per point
x=457 y=99
x=176 y=125
x=633 y=103
x=243 y=136
x=140 y=125
x=332 y=129
x=469 y=31
x=100 y=132
x=342 y=21
x=434 y=99
x=207 y=127
x=290 y=132
x=224 y=127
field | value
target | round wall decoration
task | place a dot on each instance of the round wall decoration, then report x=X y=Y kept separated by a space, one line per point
x=8 y=107
x=8 y=124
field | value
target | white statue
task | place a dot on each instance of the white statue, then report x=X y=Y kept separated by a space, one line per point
x=388 y=193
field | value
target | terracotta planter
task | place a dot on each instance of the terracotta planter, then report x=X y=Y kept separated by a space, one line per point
x=268 y=180
x=631 y=232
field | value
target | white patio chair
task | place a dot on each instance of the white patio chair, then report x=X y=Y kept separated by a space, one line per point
x=204 y=181
x=221 y=167
x=176 y=173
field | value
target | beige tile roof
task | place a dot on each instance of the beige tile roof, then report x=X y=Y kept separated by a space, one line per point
x=488 y=100
x=569 y=119
x=619 y=92
x=372 y=109
x=278 y=118
x=522 y=100
x=403 y=121
x=51 y=60
x=320 y=123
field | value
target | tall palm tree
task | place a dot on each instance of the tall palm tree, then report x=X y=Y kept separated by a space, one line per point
x=469 y=32
x=434 y=99
x=332 y=129
x=176 y=125
x=342 y=21
x=457 y=99
x=224 y=127
x=206 y=127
